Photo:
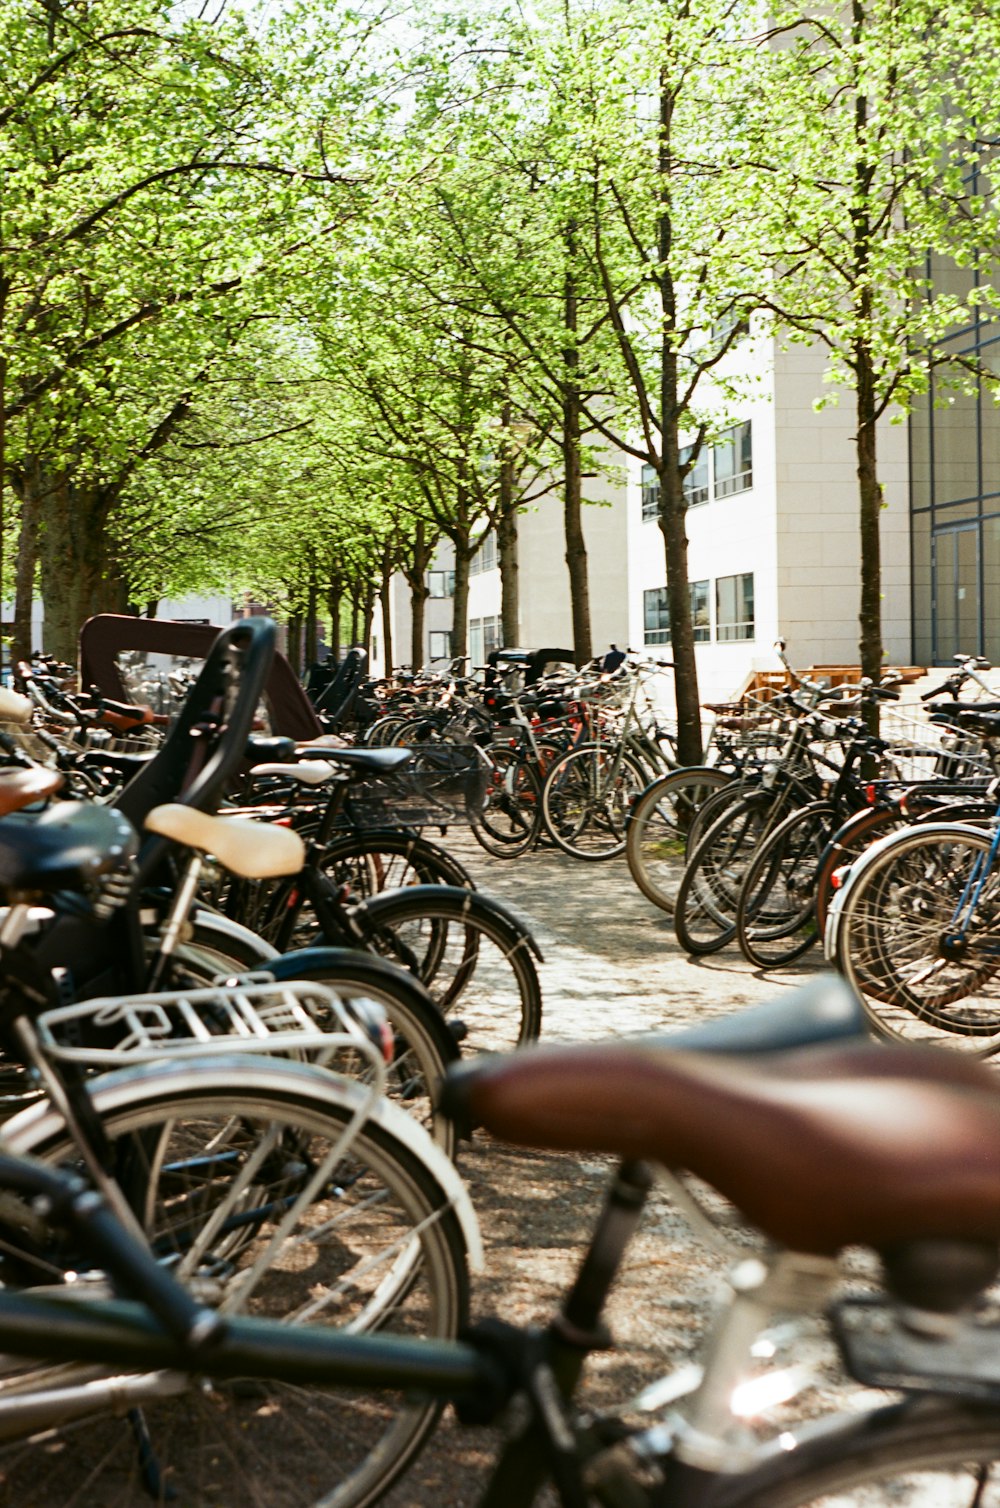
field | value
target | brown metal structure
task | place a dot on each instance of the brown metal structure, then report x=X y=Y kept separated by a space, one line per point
x=107 y=635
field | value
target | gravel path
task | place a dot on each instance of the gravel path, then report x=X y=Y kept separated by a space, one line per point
x=612 y=966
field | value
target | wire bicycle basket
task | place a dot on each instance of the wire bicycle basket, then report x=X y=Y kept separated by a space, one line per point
x=440 y=785
x=920 y=750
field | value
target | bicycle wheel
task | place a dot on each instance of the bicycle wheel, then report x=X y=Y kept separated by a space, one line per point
x=510 y=820
x=926 y=968
x=423 y=1045
x=377 y=1246
x=661 y=829
x=923 y=1454
x=586 y=800
x=475 y=961
x=776 y=910
x=866 y=828
x=707 y=897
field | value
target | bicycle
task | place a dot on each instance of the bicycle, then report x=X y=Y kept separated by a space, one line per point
x=472 y=955
x=589 y=792
x=825 y=1118
x=266 y=1187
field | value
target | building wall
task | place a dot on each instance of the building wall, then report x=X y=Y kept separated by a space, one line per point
x=794 y=530
x=546 y=617
x=817 y=520
x=727 y=536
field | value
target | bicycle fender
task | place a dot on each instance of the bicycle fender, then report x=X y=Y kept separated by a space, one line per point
x=212 y=926
x=309 y=963
x=477 y=905
x=125 y=1087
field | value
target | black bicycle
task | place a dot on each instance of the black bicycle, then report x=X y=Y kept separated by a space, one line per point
x=822 y=1139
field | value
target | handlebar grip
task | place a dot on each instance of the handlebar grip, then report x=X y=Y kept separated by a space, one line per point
x=945 y=687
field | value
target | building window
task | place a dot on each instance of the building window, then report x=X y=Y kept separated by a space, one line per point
x=650 y=494
x=484 y=638
x=700 y=612
x=696 y=481
x=656 y=614
x=440 y=645
x=485 y=558
x=733 y=458
x=441 y=583
x=734 y=607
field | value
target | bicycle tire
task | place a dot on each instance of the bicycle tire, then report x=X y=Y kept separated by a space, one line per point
x=892 y=934
x=586 y=801
x=776 y=910
x=912 y=1454
x=851 y=839
x=359 y=1445
x=867 y=827
x=707 y=897
x=388 y=859
x=511 y=818
x=661 y=828
x=472 y=957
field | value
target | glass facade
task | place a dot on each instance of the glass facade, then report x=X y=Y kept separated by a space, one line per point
x=954 y=441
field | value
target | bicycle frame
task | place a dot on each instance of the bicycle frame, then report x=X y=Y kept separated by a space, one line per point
x=982 y=868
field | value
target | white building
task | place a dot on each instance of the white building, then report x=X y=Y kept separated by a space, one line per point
x=773 y=530
x=773 y=533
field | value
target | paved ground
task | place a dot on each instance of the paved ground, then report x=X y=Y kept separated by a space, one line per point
x=611 y=966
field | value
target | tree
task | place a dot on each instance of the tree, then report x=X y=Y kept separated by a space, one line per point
x=159 y=169
x=877 y=123
x=663 y=262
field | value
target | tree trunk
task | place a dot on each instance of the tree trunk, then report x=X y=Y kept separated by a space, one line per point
x=673 y=507
x=510 y=605
x=355 y=618
x=3 y=442
x=576 y=545
x=79 y=575
x=368 y=613
x=27 y=559
x=869 y=491
x=334 y=599
x=295 y=642
x=415 y=570
x=673 y=504
x=311 y=619
x=385 y=597
x=870 y=505
x=418 y=602
x=460 y=605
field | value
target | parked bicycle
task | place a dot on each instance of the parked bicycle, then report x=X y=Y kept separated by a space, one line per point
x=827 y=1146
